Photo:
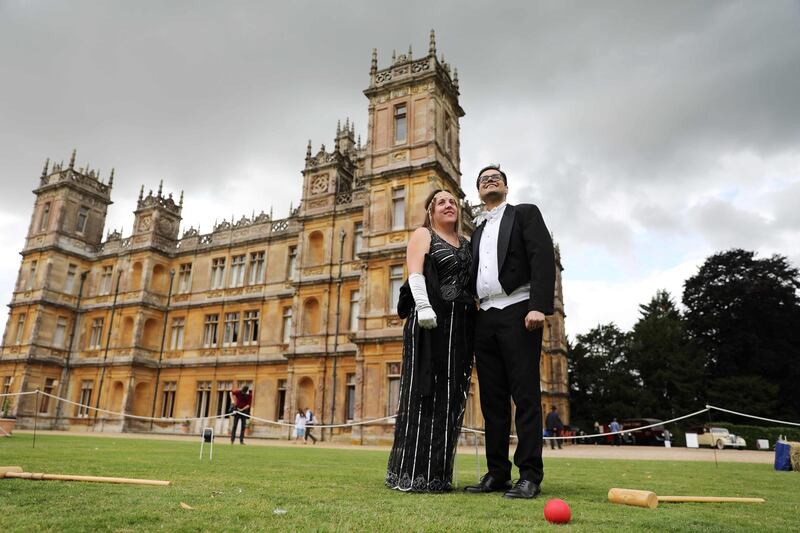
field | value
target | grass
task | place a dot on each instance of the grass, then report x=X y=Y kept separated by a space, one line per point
x=342 y=489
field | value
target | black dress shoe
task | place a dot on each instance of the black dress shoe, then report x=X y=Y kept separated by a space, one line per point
x=523 y=489
x=489 y=483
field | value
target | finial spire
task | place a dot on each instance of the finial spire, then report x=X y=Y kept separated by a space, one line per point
x=359 y=141
x=141 y=193
x=432 y=46
x=347 y=124
x=72 y=159
x=46 y=165
x=111 y=178
x=409 y=52
x=160 y=187
x=374 y=66
x=394 y=57
x=180 y=203
x=338 y=127
x=308 y=150
x=455 y=77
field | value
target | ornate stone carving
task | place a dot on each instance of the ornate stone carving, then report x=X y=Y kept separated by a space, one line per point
x=145 y=223
x=319 y=184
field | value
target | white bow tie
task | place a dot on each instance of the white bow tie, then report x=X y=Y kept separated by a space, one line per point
x=486 y=216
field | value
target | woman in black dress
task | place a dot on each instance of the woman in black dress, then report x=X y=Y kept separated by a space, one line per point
x=437 y=352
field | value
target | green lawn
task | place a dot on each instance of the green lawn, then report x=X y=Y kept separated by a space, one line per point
x=327 y=489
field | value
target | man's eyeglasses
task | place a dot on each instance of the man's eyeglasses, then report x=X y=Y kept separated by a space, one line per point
x=491 y=178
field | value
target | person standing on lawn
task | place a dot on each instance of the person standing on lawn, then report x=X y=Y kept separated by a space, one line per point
x=241 y=398
x=554 y=426
x=299 y=426
x=310 y=421
x=439 y=309
x=614 y=427
x=513 y=274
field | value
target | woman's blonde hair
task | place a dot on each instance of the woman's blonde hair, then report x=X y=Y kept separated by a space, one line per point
x=429 y=207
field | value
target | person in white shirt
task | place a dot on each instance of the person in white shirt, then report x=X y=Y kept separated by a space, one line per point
x=513 y=272
x=299 y=426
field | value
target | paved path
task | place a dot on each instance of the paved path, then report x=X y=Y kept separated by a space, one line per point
x=576 y=451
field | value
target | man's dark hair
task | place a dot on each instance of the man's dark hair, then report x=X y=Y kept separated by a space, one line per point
x=490 y=167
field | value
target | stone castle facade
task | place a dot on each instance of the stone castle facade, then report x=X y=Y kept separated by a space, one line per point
x=302 y=309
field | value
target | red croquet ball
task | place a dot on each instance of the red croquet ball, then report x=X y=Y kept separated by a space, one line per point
x=557 y=511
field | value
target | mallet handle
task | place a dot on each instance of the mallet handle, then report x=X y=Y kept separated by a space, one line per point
x=708 y=499
x=94 y=479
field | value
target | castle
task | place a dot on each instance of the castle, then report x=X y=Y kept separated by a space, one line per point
x=302 y=309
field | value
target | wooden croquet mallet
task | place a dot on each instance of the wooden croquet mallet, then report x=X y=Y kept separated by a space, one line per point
x=16 y=472
x=646 y=498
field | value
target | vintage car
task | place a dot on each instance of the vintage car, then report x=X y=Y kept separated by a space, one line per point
x=652 y=436
x=719 y=437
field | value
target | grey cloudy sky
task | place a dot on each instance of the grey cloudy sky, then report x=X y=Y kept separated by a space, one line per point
x=651 y=134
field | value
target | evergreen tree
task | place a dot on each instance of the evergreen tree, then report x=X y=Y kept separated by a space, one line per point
x=744 y=313
x=668 y=364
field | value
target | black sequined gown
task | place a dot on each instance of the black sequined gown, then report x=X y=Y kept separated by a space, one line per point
x=427 y=427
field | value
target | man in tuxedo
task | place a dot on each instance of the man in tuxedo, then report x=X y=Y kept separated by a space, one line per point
x=513 y=274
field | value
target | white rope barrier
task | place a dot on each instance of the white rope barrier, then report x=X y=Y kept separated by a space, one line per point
x=753 y=416
x=18 y=393
x=191 y=419
x=621 y=432
x=126 y=415
x=383 y=419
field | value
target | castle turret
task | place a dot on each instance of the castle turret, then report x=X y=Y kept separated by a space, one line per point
x=158 y=220
x=70 y=208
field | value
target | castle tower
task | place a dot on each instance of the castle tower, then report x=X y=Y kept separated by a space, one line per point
x=70 y=208
x=64 y=234
x=412 y=149
x=328 y=174
x=413 y=117
x=157 y=220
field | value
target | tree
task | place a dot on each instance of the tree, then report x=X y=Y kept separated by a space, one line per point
x=744 y=313
x=669 y=365
x=603 y=383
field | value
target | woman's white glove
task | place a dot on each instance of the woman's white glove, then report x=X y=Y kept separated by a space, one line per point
x=425 y=313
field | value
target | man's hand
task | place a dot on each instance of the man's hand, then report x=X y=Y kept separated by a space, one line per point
x=534 y=320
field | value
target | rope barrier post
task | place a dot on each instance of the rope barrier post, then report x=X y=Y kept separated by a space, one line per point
x=207 y=435
x=458 y=466
x=713 y=444
x=477 y=457
x=35 y=416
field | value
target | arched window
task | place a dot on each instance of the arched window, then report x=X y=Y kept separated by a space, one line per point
x=152 y=334
x=159 y=281
x=311 y=318
x=316 y=248
x=126 y=339
x=136 y=277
